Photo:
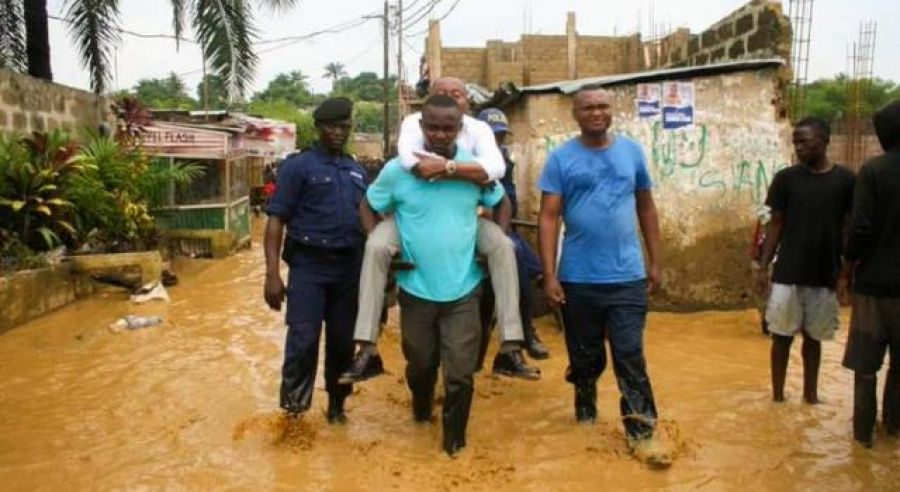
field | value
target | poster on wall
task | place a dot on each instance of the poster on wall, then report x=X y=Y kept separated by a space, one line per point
x=678 y=104
x=647 y=101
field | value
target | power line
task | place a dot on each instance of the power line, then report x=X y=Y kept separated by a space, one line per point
x=422 y=12
x=452 y=7
x=335 y=29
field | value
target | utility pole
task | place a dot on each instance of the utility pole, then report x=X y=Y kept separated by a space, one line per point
x=400 y=100
x=386 y=87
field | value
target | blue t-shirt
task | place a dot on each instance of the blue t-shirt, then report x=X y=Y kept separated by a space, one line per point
x=601 y=244
x=438 y=224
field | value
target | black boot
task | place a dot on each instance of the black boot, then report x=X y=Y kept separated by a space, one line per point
x=864 y=409
x=335 y=413
x=890 y=402
x=455 y=420
x=586 y=400
x=422 y=403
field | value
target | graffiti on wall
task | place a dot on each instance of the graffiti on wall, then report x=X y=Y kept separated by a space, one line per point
x=703 y=158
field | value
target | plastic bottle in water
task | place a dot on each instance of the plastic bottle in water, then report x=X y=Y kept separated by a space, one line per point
x=132 y=322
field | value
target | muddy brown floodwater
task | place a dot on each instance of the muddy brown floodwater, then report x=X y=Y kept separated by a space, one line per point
x=191 y=405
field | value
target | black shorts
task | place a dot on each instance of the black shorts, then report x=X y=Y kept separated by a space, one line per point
x=874 y=329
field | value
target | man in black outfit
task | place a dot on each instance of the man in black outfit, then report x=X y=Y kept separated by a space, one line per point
x=810 y=205
x=873 y=252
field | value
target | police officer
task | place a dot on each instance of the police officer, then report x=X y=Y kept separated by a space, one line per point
x=317 y=197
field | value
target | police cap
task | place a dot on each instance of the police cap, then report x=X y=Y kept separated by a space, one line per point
x=333 y=109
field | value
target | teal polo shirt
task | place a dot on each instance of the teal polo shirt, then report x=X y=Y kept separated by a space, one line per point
x=438 y=225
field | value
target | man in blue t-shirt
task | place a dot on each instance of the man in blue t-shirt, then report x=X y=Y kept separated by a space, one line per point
x=438 y=223
x=597 y=182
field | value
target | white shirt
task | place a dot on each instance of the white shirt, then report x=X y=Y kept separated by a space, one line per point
x=475 y=137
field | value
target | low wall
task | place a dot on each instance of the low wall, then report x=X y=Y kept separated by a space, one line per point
x=28 y=294
x=28 y=104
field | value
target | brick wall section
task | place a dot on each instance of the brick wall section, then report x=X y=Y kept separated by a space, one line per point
x=28 y=104
x=756 y=30
x=546 y=58
x=465 y=63
x=601 y=55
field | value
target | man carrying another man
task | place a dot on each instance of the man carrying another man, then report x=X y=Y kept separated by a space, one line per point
x=477 y=141
x=437 y=223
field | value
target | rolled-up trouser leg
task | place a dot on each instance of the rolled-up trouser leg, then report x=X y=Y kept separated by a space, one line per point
x=501 y=255
x=381 y=245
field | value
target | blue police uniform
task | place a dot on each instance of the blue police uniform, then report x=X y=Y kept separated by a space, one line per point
x=318 y=196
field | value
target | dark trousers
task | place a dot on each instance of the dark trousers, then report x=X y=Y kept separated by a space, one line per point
x=529 y=267
x=445 y=334
x=615 y=312
x=319 y=289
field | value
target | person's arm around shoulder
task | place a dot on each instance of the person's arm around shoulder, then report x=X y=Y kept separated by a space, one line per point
x=409 y=141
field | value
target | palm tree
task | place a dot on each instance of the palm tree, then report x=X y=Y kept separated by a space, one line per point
x=223 y=28
x=334 y=71
x=13 y=53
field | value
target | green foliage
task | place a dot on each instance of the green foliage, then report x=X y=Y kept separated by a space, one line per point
x=286 y=111
x=334 y=71
x=368 y=117
x=166 y=93
x=218 y=93
x=830 y=99
x=33 y=174
x=291 y=87
x=112 y=198
x=367 y=86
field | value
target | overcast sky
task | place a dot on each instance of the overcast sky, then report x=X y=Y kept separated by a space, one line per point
x=470 y=23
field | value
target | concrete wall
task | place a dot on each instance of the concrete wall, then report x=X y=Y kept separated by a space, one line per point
x=31 y=293
x=28 y=104
x=756 y=30
x=710 y=179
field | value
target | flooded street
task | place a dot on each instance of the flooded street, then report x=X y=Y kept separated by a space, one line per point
x=191 y=405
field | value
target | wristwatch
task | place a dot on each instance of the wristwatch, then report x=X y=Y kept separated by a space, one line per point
x=450 y=167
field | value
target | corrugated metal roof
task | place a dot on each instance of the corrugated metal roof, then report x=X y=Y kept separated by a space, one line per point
x=508 y=93
x=572 y=86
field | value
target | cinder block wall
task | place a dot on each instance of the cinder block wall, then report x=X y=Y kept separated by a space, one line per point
x=28 y=104
x=757 y=30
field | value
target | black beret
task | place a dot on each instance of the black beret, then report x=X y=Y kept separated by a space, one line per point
x=334 y=109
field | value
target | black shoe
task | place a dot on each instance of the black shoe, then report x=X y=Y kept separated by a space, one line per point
x=422 y=405
x=365 y=365
x=335 y=412
x=513 y=364
x=586 y=401
x=536 y=348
